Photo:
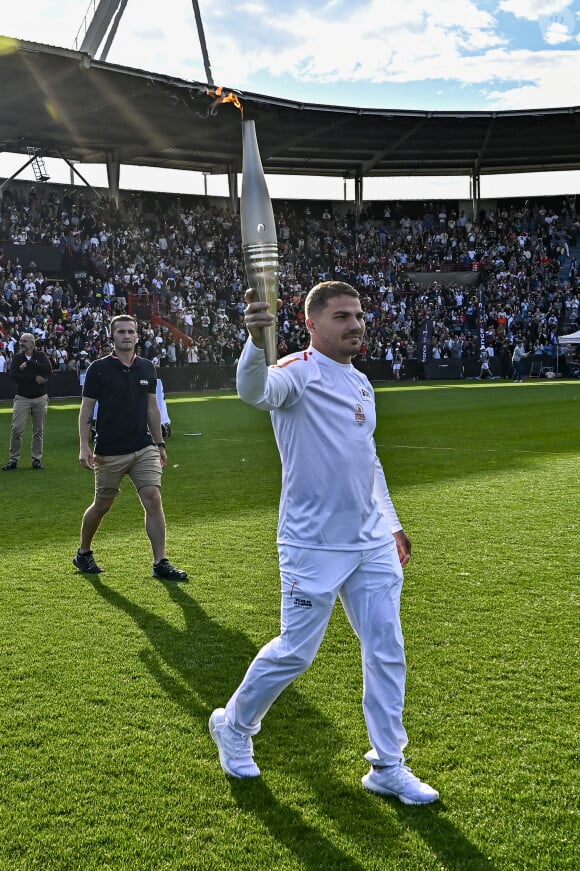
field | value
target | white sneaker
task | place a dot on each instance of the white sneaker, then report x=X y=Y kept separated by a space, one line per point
x=398 y=780
x=236 y=749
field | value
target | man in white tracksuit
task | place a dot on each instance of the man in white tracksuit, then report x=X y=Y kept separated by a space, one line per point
x=338 y=536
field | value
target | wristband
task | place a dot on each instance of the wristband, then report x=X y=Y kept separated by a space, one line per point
x=160 y=444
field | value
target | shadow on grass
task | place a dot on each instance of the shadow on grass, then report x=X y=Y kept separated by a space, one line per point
x=193 y=654
x=288 y=827
x=366 y=821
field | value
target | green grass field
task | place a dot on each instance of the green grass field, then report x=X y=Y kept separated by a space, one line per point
x=108 y=682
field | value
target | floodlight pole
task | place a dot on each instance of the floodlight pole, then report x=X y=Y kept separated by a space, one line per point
x=113 y=30
x=95 y=30
x=202 y=42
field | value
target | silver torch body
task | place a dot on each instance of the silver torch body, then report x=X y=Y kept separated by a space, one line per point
x=259 y=241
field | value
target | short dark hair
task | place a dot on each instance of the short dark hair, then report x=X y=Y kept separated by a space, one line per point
x=320 y=294
x=118 y=318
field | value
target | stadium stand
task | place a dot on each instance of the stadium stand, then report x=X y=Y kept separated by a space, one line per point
x=439 y=287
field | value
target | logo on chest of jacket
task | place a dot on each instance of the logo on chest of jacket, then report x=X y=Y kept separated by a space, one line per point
x=365 y=394
x=359 y=414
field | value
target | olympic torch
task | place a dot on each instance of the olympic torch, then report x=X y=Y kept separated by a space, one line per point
x=259 y=242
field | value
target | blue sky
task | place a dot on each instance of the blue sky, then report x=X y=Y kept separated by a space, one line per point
x=420 y=54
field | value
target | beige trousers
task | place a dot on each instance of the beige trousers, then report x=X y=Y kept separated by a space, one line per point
x=24 y=408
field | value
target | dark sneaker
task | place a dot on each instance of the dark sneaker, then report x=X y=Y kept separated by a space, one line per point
x=10 y=465
x=36 y=464
x=166 y=572
x=85 y=563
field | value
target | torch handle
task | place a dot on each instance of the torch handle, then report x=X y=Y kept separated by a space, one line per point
x=261 y=263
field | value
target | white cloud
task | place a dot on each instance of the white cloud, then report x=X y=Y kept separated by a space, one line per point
x=533 y=9
x=556 y=34
x=541 y=83
x=390 y=43
x=412 y=45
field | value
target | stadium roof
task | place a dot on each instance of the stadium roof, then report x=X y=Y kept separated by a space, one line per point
x=69 y=105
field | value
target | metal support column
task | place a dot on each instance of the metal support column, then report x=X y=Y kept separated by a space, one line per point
x=233 y=190
x=475 y=184
x=358 y=194
x=113 y=177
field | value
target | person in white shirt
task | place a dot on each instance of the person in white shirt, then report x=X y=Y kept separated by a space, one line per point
x=485 y=372
x=82 y=364
x=161 y=402
x=397 y=363
x=338 y=536
x=518 y=355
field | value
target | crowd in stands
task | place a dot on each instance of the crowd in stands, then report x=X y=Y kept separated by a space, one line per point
x=185 y=254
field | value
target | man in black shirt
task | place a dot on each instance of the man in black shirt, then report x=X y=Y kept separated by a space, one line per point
x=30 y=369
x=128 y=442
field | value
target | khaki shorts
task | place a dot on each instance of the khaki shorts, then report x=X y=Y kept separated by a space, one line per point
x=143 y=467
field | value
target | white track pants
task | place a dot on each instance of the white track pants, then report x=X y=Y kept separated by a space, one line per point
x=369 y=585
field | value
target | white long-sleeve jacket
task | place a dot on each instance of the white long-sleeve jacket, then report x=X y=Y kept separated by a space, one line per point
x=334 y=492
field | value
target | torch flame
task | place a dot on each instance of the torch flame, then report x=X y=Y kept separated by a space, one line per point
x=219 y=97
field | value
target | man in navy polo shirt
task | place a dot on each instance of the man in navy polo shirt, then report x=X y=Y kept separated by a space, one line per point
x=128 y=442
